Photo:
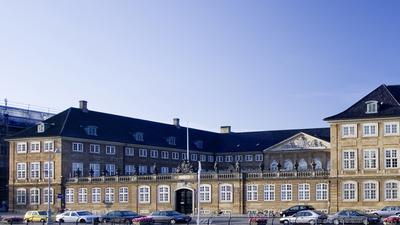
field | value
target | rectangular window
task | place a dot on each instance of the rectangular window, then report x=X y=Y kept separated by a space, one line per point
x=163 y=194
x=143 y=152
x=370 y=158
x=21 y=196
x=35 y=170
x=109 y=195
x=370 y=191
x=248 y=158
x=21 y=147
x=144 y=194
x=34 y=194
x=129 y=151
x=391 y=158
x=110 y=169
x=238 y=158
x=48 y=146
x=164 y=169
x=252 y=192
x=164 y=155
x=47 y=195
x=205 y=193
x=321 y=192
x=21 y=170
x=129 y=170
x=110 y=150
x=48 y=170
x=184 y=156
x=193 y=157
x=391 y=128
x=69 y=195
x=220 y=158
x=96 y=195
x=349 y=160
x=77 y=147
x=35 y=146
x=77 y=167
x=370 y=130
x=175 y=155
x=210 y=158
x=392 y=190
x=228 y=158
x=95 y=167
x=304 y=192
x=259 y=157
x=286 y=192
x=203 y=158
x=269 y=192
x=349 y=191
x=226 y=193
x=153 y=154
x=142 y=170
x=82 y=195
x=349 y=130
x=94 y=148
x=123 y=195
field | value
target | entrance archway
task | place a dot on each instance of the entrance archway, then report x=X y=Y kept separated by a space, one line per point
x=184 y=201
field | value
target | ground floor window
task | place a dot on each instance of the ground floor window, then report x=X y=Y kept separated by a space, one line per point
x=350 y=191
x=144 y=194
x=269 y=192
x=21 y=196
x=286 y=192
x=321 y=192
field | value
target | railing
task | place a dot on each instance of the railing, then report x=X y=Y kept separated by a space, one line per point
x=205 y=176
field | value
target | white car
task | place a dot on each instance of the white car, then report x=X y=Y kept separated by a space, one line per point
x=311 y=217
x=76 y=216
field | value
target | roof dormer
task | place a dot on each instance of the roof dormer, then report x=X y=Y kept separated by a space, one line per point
x=139 y=136
x=41 y=127
x=371 y=107
x=91 y=130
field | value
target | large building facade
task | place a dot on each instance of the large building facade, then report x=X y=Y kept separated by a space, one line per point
x=102 y=162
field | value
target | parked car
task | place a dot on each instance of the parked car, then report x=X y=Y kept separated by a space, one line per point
x=77 y=216
x=348 y=216
x=294 y=209
x=35 y=216
x=387 y=211
x=119 y=216
x=170 y=217
x=11 y=219
x=305 y=217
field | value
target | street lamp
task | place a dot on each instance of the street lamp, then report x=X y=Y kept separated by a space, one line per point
x=49 y=222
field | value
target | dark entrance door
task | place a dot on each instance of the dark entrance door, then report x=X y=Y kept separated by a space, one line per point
x=184 y=201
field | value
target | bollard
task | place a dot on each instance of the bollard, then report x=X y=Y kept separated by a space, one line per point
x=43 y=222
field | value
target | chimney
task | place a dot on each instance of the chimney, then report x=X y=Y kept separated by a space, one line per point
x=83 y=105
x=225 y=129
x=176 y=122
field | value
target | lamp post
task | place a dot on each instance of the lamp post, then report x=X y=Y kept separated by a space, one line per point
x=49 y=222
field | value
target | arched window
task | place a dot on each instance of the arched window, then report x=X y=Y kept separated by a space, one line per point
x=370 y=189
x=144 y=194
x=48 y=196
x=225 y=193
x=392 y=190
x=303 y=164
x=21 y=196
x=274 y=165
x=318 y=164
x=205 y=193
x=123 y=194
x=288 y=165
x=163 y=193
x=350 y=191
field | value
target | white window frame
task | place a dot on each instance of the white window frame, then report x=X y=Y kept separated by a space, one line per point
x=69 y=195
x=110 y=150
x=154 y=153
x=48 y=146
x=144 y=194
x=21 y=171
x=77 y=147
x=350 y=191
x=34 y=170
x=82 y=195
x=370 y=157
x=34 y=196
x=388 y=128
x=346 y=130
x=392 y=161
x=96 y=195
x=248 y=158
x=111 y=169
x=129 y=151
x=347 y=160
x=129 y=169
x=123 y=195
x=286 y=192
x=34 y=147
x=369 y=191
x=226 y=193
x=21 y=147
x=372 y=107
x=205 y=193
x=142 y=153
x=164 y=154
x=238 y=158
x=269 y=192
x=220 y=158
x=392 y=193
x=304 y=192
x=228 y=158
x=203 y=158
x=142 y=169
x=259 y=157
x=252 y=192
x=163 y=194
x=164 y=169
x=21 y=196
x=94 y=148
x=370 y=129
x=75 y=166
x=48 y=170
x=210 y=158
x=321 y=192
x=96 y=169
x=109 y=195
x=175 y=155
x=193 y=157
x=45 y=195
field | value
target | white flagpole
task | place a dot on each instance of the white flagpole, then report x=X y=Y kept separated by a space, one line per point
x=198 y=193
x=187 y=142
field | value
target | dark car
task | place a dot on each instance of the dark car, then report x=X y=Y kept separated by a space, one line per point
x=119 y=216
x=171 y=217
x=294 y=209
x=349 y=216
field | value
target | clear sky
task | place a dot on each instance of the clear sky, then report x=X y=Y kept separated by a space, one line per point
x=254 y=65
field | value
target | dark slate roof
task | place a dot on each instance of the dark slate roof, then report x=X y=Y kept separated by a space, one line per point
x=71 y=123
x=388 y=97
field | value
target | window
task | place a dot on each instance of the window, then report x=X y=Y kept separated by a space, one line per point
x=274 y=165
x=164 y=169
x=109 y=195
x=96 y=169
x=164 y=155
x=184 y=157
x=47 y=195
x=370 y=191
x=199 y=144
x=220 y=158
x=21 y=147
x=175 y=155
x=21 y=170
x=370 y=130
x=349 y=160
x=129 y=151
x=259 y=157
x=252 y=192
x=321 y=193
x=350 y=191
x=163 y=194
x=94 y=148
x=154 y=153
x=35 y=170
x=238 y=158
x=77 y=147
x=210 y=158
x=193 y=157
x=139 y=136
x=110 y=169
x=248 y=158
x=35 y=146
x=288 y=165
x=372 y=107
x=269 y=192
x=129 y=170
x=110 y=150
x=96 y=195
x=48 y=146
x=370 y=158
x=205 y=193
x=171 y=140
x=34 y=194
x=123 y=195
x=228 y=158
x=203 y=158
x=225 y=193
x=91 y=130
x=82 y=195
x=143 y=152
x=391 y=128
x=21 y=196
x=304 y=192
x=76 y=167
x=286 y=192
x=142 y=170
x=144 y=194
x=392 y=190
x=391 y=158
x=349 y=130
x=69 y=195
x=48 y=170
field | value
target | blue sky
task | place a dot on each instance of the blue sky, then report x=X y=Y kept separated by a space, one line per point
x=254 y=65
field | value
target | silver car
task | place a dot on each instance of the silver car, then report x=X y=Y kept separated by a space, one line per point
x=387 y=211
x=76 y=216
x=349 y=216
x=305 y=217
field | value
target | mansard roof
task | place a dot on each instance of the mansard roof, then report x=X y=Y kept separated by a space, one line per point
x=388 y=98
x=113 y=128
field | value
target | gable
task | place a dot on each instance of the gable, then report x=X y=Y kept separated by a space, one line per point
x=300 y=141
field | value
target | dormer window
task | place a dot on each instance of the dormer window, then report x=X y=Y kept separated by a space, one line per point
x=41 y=127
x=138 y=136
x=91 y=130
x=372 y=107
x=171 y=140
x=199 y=144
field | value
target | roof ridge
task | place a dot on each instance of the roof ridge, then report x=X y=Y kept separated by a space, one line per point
x=386 y=88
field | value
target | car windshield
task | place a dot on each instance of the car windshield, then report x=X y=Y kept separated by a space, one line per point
x=128 y=213
x=361 y=213
x=172 y=213
x=84 y=213
x=42 y=213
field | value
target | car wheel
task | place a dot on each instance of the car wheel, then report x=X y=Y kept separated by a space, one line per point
x=336 y=221
x=312 y=222
x=286 y=222
x=103 y=221
x=365 y=221
x=82 y=221
x=172 y=221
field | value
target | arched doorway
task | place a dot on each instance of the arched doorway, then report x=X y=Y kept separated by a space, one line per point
x=184 y=201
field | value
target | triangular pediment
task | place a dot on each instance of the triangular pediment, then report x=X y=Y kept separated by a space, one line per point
x=300 y=141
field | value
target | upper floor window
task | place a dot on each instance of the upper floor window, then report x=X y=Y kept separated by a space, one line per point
x=129 y=151
x=129 y=170
x=164 y=155
x=171 y=140
x=21 y=147
x=94 y=148
x=175 y=155
x=370 y=130
x=35 y=170
x=391 y=128
x=110 y=169
x=370 y=158
x=49 y=146
x=228 y=158
x=203 y=158
x=142 y=152
x=193 y=157
x=259 y=157
x=110 y=150
x=77 y=147
x=220 y=158
x=139 y=136
x=210 y=158
x=21 y=170
x=392 y=190
x=349 y=130
x=91 y=130
x=35 y=146
x=41 y=127
x=248 y=158
x=199 y=144
x=372 y=107
x=349 y=161
x=238 y=158
x=153 y=153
